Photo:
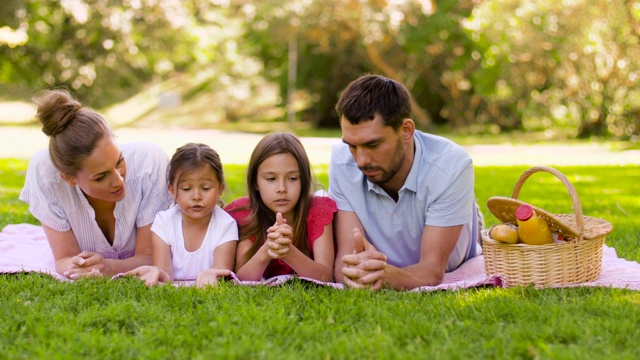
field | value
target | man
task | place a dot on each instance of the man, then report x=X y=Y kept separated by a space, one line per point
x=406 y=204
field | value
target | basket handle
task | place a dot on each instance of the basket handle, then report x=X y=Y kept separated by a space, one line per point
x=577 y=208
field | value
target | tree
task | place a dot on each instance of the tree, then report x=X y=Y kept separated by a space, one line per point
x=103 y=50
x=568 y=66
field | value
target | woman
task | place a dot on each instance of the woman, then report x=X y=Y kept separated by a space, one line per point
x=95 y=200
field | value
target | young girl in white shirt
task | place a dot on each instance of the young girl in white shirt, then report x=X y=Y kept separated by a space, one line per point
x=194 y=239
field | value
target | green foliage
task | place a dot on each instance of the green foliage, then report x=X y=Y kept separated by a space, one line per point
x=567 y=68
x=103 y=50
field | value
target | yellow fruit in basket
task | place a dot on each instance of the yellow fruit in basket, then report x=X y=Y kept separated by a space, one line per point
x=505 y=233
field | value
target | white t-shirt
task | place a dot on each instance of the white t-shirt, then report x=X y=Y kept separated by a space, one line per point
x=63 y=207
x=439 y=191
x=187 y=265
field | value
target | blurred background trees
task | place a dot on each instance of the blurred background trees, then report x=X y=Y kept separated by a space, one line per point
x=567 y=68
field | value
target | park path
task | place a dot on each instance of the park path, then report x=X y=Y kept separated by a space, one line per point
x=235 y=147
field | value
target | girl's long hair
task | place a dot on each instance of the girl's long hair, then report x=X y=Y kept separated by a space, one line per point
x=261 y=217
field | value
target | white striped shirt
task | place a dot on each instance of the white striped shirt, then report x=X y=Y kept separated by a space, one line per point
x=62 y=207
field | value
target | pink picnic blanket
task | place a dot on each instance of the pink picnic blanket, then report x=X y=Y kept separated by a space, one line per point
x=24 y=248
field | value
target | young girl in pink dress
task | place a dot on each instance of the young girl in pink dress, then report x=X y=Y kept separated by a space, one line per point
x=284 y=229
x=194 y=239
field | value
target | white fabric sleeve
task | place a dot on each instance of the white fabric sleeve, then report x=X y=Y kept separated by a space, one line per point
x=155 y=195
x=162 y=227
x=39 y=192
x=228 y=232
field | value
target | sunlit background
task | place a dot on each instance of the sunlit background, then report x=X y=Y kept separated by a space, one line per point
x=561 y=68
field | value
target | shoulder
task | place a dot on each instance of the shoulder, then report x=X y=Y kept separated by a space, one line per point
x=41 y=171
x=145 y=157
x=41 y=162
x=322 y=204
x=321 y=212
x=340 y=154
x=440 y=157
x=437 y=148
x=144 y=152
x=167 y=215
x=238 y=209
x=343 y=166
x=222 y=216
x=237 y=204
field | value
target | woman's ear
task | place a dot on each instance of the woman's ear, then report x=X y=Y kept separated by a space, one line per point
x=68 y=179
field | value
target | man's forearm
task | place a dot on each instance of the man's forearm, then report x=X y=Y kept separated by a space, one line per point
x=412 y=277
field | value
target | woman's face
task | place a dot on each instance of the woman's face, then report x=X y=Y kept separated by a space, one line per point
x=102 y=174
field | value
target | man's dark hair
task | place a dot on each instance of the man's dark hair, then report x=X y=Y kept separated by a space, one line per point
x=371 y=94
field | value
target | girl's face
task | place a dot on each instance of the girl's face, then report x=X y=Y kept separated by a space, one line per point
x=279 y=184
x=197 y=192
x=103 y=173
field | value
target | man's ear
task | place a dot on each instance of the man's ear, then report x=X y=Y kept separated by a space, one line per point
x=408 y=128
x=68 y=179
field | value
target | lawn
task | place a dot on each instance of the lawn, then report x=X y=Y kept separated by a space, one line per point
x=43 y=318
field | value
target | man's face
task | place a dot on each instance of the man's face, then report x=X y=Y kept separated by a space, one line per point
x=378 y=150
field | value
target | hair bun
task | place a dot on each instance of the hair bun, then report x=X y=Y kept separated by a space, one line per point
x=56 y=109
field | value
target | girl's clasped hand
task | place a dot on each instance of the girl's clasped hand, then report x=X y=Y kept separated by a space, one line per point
x=284 y=228
x=278 y=238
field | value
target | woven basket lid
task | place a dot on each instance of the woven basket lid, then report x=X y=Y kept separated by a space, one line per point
x=569 y=225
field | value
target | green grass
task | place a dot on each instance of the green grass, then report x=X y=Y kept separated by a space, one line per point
x=43 y=318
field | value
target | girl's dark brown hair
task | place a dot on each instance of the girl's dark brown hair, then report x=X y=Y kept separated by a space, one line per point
x=192 y=156
x=261 y=217
x=73 y=129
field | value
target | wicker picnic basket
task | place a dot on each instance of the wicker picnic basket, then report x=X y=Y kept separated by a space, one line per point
x=558 y=263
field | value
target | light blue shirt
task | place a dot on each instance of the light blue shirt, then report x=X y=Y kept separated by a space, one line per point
x=438 y=192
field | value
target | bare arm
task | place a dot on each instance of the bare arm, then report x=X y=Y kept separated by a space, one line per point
x=74 y=264
x=224 y=256
x=64 y=247
x=223 y=261
x=321 y=266
x=255 y=267
x=161 y=257
x=437 y=245
x=345 y=222
x=141 y=255
x=162 y=268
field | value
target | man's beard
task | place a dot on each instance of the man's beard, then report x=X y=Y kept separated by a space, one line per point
x=388 y=174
